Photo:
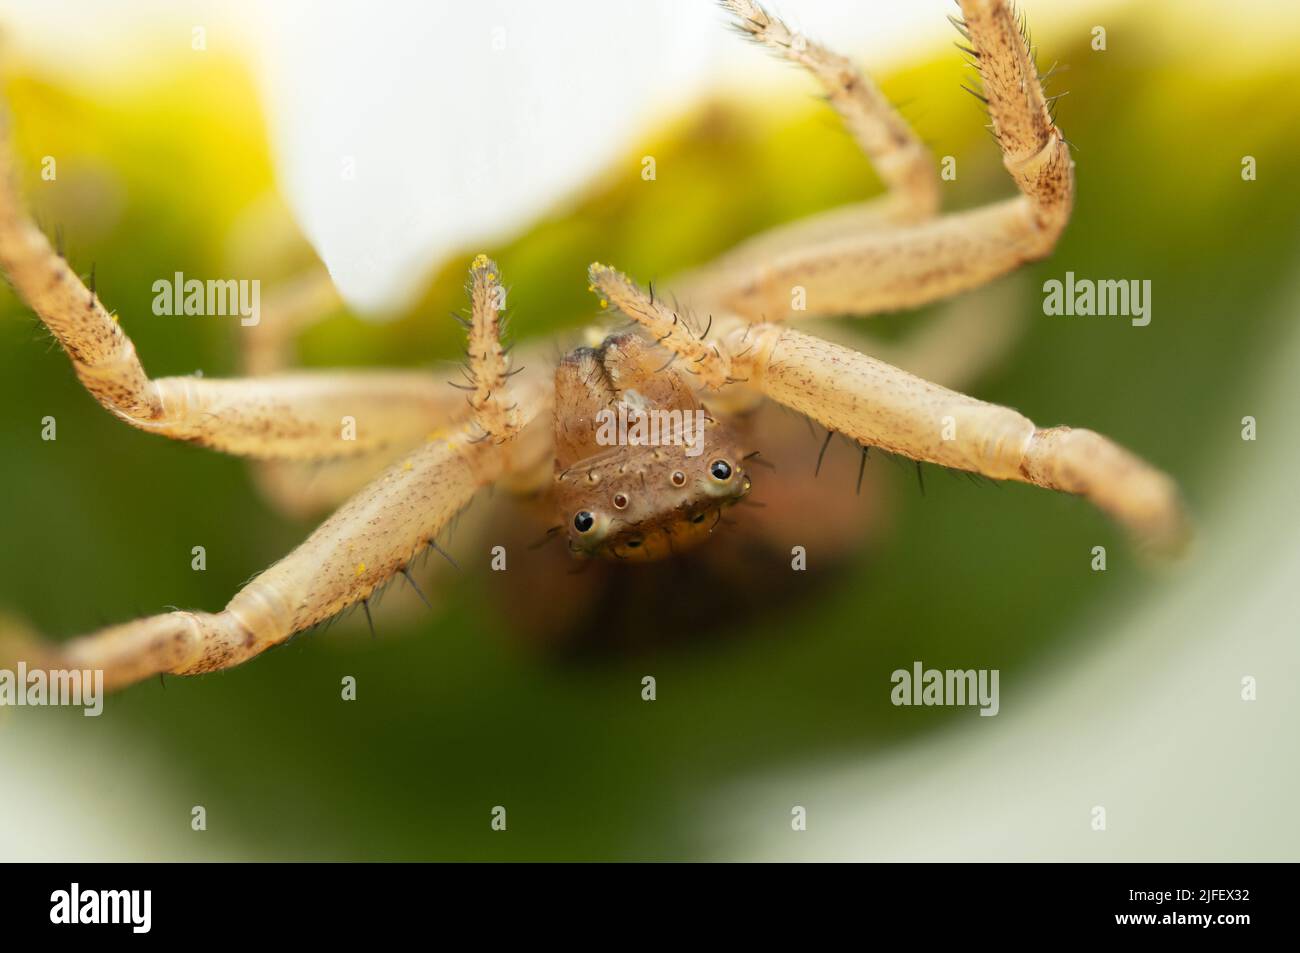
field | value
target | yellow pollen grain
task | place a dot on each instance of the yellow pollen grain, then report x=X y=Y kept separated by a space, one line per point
x=361 y=567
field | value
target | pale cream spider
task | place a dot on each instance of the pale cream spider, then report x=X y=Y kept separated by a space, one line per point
x=623 y=501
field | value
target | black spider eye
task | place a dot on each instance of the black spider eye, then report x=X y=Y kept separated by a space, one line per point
x=584 y=521
x=720 y=470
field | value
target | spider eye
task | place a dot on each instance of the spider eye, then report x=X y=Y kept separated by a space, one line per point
x=720 y=470
x=584 y=521
x=620 y=501
x=678 y=478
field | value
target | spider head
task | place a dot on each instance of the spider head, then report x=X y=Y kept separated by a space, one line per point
x=642 y=469
x=644 y=504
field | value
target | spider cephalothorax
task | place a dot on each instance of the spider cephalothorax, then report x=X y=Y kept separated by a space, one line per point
x=642 y=470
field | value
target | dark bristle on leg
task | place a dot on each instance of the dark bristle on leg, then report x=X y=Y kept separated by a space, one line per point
x=862 y=469
x=443 y=553
x=406 y=571
x=822 y=453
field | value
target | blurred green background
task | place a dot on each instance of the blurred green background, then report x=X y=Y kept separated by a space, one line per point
x=453 y=717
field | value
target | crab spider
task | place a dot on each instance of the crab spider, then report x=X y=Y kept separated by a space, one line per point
x=628 y=502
